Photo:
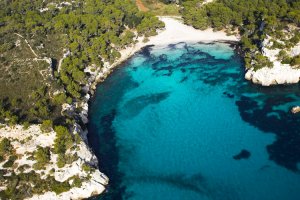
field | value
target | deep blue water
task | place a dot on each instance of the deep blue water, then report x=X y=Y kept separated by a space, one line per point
x=180 y=122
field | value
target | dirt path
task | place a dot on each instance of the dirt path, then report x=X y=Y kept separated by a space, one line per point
x=141 y=6
x=27 y=44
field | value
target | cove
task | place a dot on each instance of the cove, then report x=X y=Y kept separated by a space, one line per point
x=180 y=122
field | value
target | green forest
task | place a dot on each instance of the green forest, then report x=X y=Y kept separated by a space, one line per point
x=46 y=47
x=93 y=31
x=254 y=20
x=37 y=79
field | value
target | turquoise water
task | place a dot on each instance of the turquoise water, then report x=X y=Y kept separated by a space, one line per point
x=180 y=122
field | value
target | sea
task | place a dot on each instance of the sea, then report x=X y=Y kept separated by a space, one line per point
x=180 y=122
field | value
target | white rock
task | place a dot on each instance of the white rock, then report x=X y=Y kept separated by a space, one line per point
x=26 y=141
x=279 y=74
x=249 y=75
x=295 y=50
x=295 y=109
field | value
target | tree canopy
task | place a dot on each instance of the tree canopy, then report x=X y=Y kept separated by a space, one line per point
x=254 y=19
x=92 y=31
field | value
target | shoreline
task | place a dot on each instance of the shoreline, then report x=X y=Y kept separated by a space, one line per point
x=175 y=32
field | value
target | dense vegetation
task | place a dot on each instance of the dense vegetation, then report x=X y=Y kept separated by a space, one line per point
x=5 y=148
x=36 y=79
x=253 y=19
x=92 y=31
x=46 y=46
x=23 y=181
x=162 y=7
x=19 y=185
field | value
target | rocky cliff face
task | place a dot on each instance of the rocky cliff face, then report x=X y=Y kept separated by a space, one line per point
x=78 y=177
x=80 y=174
x=278 y=74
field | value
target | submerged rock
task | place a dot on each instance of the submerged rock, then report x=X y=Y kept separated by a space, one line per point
x=228 y=95
x=244 y=154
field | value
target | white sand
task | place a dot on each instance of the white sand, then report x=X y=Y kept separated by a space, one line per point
x=175 y=31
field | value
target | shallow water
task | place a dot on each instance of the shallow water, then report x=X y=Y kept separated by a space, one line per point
x=181 y=122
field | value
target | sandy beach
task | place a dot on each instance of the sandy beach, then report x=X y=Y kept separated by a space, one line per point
x=175 y=31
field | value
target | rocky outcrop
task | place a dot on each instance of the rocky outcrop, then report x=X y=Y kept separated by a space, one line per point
x=207 y=1
x=295 y=109
x=279 y=73
x=295 y=50
x=94 y=181
x=25 y=143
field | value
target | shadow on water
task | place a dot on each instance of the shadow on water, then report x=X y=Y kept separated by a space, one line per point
x=258 y=109
x=189 y=62
x=105 y=148
x=285 y=151
x=257 y=106
x=195 y=183
x=134 y=106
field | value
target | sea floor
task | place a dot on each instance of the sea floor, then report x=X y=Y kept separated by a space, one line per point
x=180 y=122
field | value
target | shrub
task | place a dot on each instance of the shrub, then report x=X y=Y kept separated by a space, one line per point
x=5 y=147
x=70 y=158
x=59 y=187
x=77 y=182
x=77 y=138
x=10 y=161
x=23 y=167
x=6 y=46
x=86 y=167
x=295 y=39
x=277 y=45
x=295 y=60
x=52 y=171
x=46 y=126
x=60 y=98
x=42 y=156
x=287 y=60
x=60 y=160
x=282 y=55
x=13 y=120
x=63 y=140
x=261 y=61
x=26 y=125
